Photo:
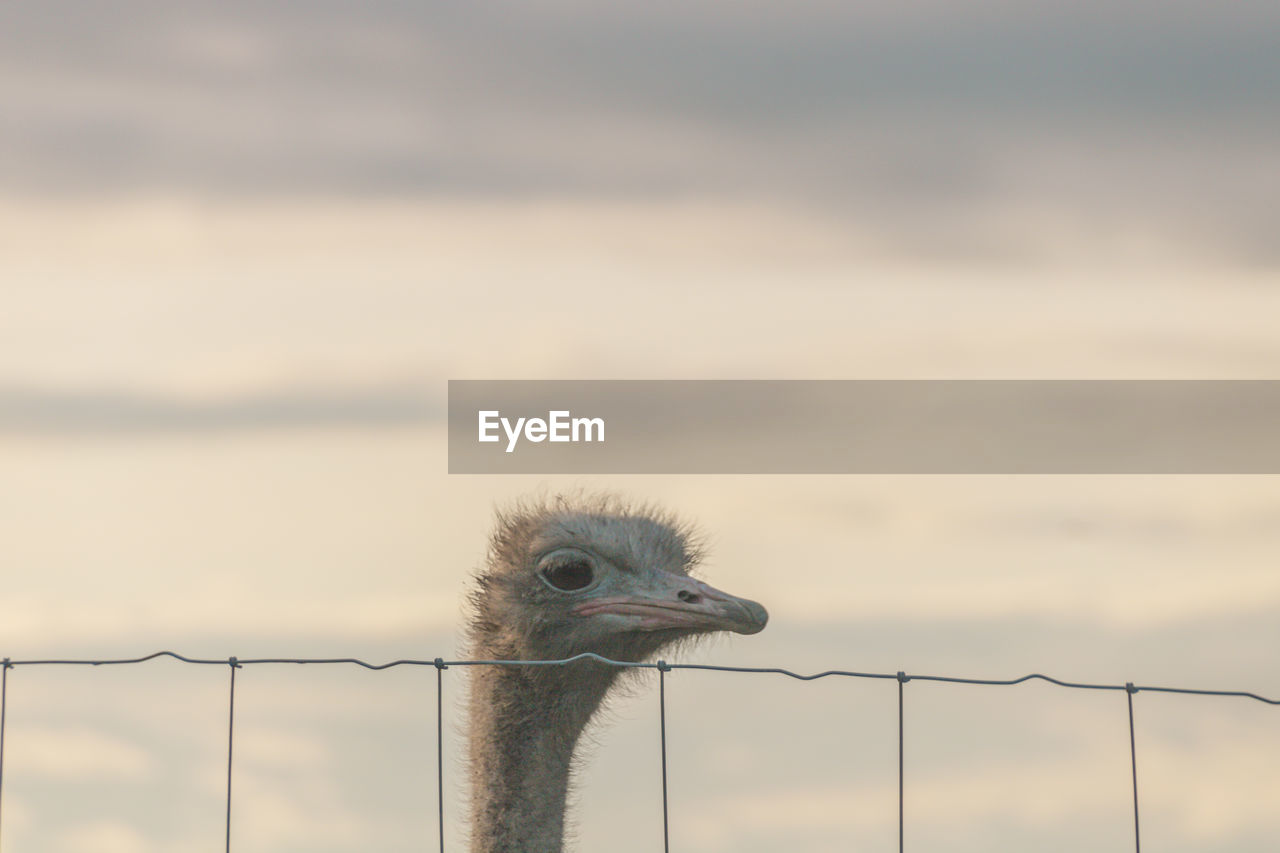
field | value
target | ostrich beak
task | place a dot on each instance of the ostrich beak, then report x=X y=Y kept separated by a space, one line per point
x=683 y=603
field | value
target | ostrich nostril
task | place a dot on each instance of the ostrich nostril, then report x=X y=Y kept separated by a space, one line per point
x=688 y=597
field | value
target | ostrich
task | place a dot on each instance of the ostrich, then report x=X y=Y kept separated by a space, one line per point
x=567 y=576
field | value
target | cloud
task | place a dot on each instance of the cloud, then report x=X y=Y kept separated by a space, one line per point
x=79 y=754
x=275 y=748
x=1030 y=797
x=25 y=410
x=102 y=837
x=919 y=126
x=310 y=814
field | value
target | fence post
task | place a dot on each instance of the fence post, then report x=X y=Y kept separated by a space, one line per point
x=1129 y=690
x=663 y=668
x=903 y=678
x=440 y=668
x=231 y=727
x=4 y=707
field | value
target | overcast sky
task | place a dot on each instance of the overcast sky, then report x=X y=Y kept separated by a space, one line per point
x=908 y=122
x=244 y=244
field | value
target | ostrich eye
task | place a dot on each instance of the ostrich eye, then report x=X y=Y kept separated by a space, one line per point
x=569 y=574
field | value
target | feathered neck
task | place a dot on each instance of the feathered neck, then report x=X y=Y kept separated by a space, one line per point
x=525 y=725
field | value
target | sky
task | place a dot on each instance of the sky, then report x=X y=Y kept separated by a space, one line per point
x=244 y=245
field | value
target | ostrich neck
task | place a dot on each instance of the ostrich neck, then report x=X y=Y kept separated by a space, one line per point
x=525 y=724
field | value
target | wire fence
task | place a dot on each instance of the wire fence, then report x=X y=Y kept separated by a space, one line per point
x=440 y=665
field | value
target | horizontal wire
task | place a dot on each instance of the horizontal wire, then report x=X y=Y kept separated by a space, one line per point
x=663 y=665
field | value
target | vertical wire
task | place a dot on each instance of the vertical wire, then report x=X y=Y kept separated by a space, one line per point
x=4 y=707
x=902 y=679
x=1129 y=690
x=231 y=724
x=662 y=723
x=440 y=667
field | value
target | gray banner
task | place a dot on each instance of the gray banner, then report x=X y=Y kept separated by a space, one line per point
x=864 y=427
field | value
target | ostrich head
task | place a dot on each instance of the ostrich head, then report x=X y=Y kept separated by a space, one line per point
x=593 y=575
x=565 y=577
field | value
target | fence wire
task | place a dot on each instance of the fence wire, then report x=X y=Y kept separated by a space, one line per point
x=440 y=665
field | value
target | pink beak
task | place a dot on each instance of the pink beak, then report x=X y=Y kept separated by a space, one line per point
x=683 y=603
